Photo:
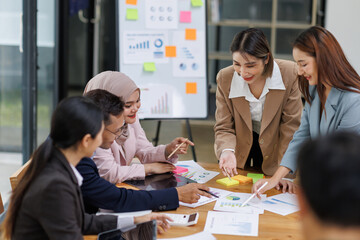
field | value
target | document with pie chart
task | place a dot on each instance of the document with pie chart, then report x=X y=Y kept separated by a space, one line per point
x=233 y=201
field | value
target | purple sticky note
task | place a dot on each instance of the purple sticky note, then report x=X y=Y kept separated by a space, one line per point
x=185 y=16
x=179 y=170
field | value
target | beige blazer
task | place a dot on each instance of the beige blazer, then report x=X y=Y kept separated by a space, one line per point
x=280 y=119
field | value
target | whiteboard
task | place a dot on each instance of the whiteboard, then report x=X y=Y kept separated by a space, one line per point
x=341 y=19
x=162 y=47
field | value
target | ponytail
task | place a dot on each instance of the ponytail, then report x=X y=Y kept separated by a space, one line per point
x=38 y=160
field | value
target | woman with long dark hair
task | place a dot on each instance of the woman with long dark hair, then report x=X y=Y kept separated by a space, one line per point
x=47 y=202
x=258 y=106
x=331 y=89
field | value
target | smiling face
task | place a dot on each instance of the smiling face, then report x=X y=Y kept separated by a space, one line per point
x=131 y=107
x=307 y=66
x=249 y=67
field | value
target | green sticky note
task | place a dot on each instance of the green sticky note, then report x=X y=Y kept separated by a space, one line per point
x=132 y=14
x=149 y=67
x=256 y=179
x=196 y=3
x=255 y=175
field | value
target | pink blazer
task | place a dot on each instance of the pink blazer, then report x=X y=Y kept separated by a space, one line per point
x=114 y=163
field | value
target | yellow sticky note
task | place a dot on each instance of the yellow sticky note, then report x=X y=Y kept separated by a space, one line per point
x=227 y=182
x=170 y=51
x=242 y=179
x=190 y=34
x=191 y=88
x=149 y=67
x=132 y=14
x=131 y=2
x=196 y=3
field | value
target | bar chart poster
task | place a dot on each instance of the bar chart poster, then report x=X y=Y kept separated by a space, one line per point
x=140 y=46
x=160 y=101
x=162 y=47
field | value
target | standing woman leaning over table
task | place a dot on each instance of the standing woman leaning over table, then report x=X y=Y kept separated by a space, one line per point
x=331 y=89
x=258 y=106
x=47 y=203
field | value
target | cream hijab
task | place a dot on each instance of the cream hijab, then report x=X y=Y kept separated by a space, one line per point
x=118 y=84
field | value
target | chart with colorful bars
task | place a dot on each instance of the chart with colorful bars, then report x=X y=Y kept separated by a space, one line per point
x=196 y=172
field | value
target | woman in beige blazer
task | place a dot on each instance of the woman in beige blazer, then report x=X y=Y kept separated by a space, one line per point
x=258 y=106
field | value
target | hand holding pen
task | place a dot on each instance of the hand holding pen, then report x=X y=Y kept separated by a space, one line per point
x=178 y=146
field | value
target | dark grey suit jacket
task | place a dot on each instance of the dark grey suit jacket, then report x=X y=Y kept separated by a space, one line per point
x=53 y=208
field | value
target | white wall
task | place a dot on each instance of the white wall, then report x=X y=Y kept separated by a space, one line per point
x=342 y=18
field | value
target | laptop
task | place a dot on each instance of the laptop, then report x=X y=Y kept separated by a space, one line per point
x=141 y=231
x=160 y=181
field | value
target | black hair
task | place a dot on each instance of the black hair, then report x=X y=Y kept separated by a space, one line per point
x=329 y=169
x=109 y=103
x=252 y=41
x=72 y=119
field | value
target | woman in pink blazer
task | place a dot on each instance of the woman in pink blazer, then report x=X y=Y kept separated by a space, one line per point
x=114 y=163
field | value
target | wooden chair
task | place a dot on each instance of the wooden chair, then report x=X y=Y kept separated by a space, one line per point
x=15 y=177
x=1 y=205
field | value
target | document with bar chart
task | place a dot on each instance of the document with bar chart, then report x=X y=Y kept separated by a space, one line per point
x=196 y=172
x=143 y=46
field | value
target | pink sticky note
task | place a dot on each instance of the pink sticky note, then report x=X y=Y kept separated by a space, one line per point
x=185 y=16
x=179 y=170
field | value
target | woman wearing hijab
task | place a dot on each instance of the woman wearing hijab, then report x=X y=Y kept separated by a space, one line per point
x=114 y=163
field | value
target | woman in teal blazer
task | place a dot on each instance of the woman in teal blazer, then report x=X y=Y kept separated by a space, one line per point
x=331 y=88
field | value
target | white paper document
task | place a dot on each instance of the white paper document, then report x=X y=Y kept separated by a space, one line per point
x=233 y=201
x=124 y=214
x=161 y=14
x=204 y=200
x=232 y=223
x=191 y=55
x=196 y=172
x=197 y=236
x=282 y=204
x=144 y=46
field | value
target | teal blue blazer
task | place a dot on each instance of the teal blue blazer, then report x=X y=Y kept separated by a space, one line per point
x=342 y=114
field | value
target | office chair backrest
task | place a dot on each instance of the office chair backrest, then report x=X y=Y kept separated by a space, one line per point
x=1 y=205
x=15 y=177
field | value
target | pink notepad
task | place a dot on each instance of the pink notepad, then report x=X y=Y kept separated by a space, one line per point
x=180 y=170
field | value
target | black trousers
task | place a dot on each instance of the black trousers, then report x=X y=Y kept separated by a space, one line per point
x=255 y=154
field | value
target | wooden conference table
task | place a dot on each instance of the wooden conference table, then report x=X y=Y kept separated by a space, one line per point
x=271 y=225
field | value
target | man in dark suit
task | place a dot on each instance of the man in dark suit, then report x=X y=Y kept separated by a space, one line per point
x=99 y=193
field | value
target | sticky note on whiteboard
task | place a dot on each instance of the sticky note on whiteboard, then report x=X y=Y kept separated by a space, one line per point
x=185 y=16
x=191 y=88
x=149 y=67
x=196 y=3
x=131 y=2
x=190 y=34
x=132 y=14
x=170 y=51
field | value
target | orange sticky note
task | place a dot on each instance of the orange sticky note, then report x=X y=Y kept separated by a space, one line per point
x=131 y=2
x=191 y=88
x=242 y=179
x=190 y=34
x=170 y=51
